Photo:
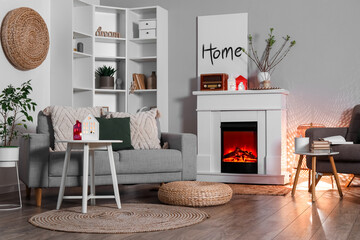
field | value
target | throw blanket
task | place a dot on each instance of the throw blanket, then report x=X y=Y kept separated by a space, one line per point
x=63 y=118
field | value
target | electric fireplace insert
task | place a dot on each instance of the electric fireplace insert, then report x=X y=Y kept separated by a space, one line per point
x=239 y=147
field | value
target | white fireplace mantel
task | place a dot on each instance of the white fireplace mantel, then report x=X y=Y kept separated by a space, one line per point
x=267 y=108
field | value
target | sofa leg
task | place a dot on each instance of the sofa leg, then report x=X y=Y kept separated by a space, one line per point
x=28 y=192
x=38 y=193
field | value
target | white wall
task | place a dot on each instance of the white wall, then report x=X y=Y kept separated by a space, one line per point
x=321 y=72
x=40 y=76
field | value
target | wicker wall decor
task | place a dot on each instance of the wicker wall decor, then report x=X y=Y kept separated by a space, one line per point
x=24 y=38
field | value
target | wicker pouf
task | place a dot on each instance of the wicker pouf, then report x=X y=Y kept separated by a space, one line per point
x=195 y=194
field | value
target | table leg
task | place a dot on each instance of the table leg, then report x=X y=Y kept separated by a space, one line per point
x=85 y=178
x=18 y=183
x=113 y=175
x=313 y=178
x=297 y=174
x=63 y=176
x=92 y=176
x=335 y=175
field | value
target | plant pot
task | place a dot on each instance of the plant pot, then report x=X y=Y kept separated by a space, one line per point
x=106 y=82
x=8 y=156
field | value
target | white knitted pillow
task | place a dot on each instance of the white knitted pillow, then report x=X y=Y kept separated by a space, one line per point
x=63 y=119
x=143 y=129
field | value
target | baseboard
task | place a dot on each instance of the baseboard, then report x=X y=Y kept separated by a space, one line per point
x=11 y=188
x=241 y=178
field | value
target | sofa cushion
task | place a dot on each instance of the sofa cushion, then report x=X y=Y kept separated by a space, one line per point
x=149 y=161
x=101 y=162
x=126 y=162
x=63 y=118
x=116 y=129
x=143 y=127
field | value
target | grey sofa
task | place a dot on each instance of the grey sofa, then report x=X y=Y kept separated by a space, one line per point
x=348 y=159
x=41 y=168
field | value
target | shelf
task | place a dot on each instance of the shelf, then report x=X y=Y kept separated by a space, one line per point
x=81 y=55
x=143 y=40
x=146 y=91
x=144 y=10
x=144 y=59
x=79 y=3
x=81 y=89
x=109 y=39
x=77 y=34
x=110 y=91
x=107 y=9
x=105 y=58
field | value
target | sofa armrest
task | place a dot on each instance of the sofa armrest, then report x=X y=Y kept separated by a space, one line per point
x=186 y=144
x=316 y=133
x=34 y=160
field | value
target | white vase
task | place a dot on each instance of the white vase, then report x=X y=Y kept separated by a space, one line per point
x=263 y=76
x=8 y=156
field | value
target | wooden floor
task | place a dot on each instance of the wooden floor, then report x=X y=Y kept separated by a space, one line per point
x=245 y=217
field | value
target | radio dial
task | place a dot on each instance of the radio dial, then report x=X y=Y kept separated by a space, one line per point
x=205 y=86
x=219 y=85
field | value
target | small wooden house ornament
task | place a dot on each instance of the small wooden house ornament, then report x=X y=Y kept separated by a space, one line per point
x=90 y=128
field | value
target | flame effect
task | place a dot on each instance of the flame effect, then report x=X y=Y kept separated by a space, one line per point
x=240 y=146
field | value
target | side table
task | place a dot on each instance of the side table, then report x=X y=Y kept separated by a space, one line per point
x=86 y=146
x=313 y=171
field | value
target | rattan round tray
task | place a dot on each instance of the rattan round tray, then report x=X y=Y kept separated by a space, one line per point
x=195 y=194
x=24 y=38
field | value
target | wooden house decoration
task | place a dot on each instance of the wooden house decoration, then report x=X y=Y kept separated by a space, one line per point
x=90 y=128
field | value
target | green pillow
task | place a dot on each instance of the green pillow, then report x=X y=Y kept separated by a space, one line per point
x=116 y=129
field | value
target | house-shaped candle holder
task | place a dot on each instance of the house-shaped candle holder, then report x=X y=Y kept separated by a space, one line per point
x=90 y=128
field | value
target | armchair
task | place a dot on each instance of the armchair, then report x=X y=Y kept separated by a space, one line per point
x=348 y=161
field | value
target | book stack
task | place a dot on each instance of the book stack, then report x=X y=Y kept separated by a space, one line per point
x=320 y=147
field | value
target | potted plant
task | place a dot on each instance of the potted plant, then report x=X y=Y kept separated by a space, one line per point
x=267 y=64
x=15 y=105
x=106 y=75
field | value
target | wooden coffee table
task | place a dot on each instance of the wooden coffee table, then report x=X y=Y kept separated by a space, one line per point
x=313 y=171
x=86 y=146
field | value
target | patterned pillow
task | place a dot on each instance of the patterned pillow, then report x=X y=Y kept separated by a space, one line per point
x=143 y=129
x=63 y=119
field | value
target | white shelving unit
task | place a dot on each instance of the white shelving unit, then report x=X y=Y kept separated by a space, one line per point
x=128 y=54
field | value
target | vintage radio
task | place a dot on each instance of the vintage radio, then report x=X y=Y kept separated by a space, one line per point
x=213 y=82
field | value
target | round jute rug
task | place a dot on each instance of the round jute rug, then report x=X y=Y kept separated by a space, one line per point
x=131 y=218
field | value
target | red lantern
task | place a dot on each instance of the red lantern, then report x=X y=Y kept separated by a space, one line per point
x=77 y=130
x=241 y=79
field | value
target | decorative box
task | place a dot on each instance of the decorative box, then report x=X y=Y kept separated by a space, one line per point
x=147 y=28
x=147 y=33
x=147 y=24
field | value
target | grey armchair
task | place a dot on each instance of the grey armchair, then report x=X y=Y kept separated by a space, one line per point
x=348 y=159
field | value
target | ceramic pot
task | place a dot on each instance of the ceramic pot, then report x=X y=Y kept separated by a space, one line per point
x=8 y=156
x=106 y=82
x=263 y=76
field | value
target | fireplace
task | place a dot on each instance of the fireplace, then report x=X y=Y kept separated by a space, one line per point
x=262 y=113
x=239 y=150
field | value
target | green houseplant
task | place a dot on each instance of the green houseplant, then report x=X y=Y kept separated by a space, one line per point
x=106 y=75
x=14 y=113
x=266 y=63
